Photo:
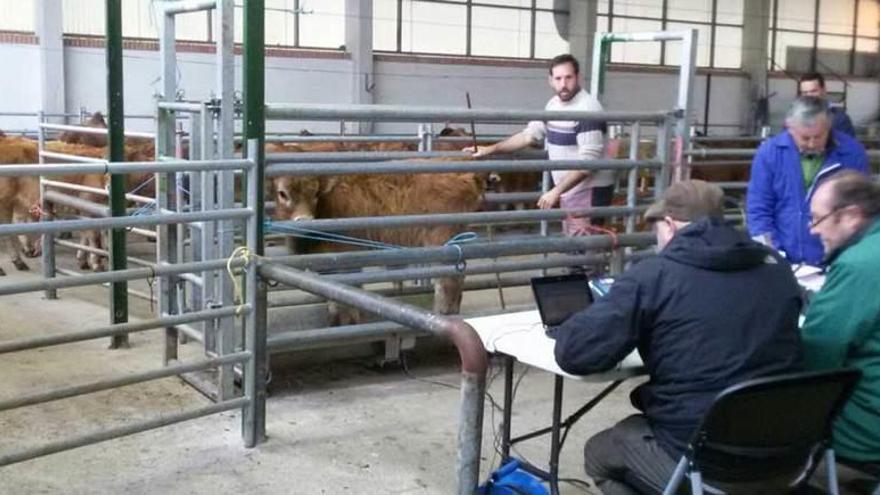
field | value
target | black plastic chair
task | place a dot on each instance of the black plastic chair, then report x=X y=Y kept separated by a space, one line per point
x=767 y=429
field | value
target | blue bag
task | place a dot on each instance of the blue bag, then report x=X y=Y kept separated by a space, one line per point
x=511 y=479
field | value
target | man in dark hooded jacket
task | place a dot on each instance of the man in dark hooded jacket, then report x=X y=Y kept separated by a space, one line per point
x=714 y=308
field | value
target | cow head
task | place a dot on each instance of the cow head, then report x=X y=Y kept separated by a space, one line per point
x=296 y=198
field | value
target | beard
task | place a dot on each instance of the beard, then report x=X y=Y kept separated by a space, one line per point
x=566 y=95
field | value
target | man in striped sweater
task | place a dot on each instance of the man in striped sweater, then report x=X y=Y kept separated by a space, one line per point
x=567 y=140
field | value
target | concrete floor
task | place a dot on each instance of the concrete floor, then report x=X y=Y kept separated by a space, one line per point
x=333 y=428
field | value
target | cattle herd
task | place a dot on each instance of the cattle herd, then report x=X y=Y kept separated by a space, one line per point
x=296 y=197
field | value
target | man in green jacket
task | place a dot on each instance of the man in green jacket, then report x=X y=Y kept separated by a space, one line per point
x=842 y=326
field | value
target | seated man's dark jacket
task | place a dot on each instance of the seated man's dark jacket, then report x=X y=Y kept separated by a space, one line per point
x=714 y=308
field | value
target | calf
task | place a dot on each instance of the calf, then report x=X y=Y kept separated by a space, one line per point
x=305 y=198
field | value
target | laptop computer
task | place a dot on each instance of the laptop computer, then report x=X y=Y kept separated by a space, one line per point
x=560 y=296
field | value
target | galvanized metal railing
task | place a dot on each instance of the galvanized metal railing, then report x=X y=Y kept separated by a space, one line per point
x=252 y=403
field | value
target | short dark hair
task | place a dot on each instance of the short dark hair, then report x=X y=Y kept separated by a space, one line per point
x=565 y=58
x=811 y=76
x=850 y=188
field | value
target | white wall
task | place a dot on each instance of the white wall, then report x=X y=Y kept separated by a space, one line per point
x=327 y=80
x=19 y=85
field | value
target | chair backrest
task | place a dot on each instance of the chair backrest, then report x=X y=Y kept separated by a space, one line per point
x=770 y=427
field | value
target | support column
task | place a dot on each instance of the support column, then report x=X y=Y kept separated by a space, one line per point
x=756 y=25
x=48 y=20
x=581 y=31
x=359 y=45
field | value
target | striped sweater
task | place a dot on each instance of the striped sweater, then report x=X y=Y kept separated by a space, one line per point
x=573 y=140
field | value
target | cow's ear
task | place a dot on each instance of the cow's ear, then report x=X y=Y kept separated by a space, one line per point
x=328 y=183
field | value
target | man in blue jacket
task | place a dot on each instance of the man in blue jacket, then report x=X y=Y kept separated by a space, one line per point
x=785 y=172
x=714 y=308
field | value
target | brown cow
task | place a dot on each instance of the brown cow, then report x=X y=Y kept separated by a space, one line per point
x=303 y=198
x=96 y=140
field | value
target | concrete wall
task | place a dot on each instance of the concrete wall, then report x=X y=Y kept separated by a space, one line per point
x=326 y=80
x=19 y=85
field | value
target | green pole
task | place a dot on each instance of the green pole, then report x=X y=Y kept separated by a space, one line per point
x=253 y=66
x=116 y=145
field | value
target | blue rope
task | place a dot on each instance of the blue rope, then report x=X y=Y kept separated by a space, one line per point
x=146 y=209
x=456 y=241
x=319 y=235
x=142 y=185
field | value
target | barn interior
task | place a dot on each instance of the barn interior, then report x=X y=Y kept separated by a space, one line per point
x=186 y=350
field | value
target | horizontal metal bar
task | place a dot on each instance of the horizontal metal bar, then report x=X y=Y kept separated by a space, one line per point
x=118 y=329
x=64 y=157
x=115 y=276
x=107 y=384
x=101 y=252
x=94 y=190
x=721 y=163
x=191 y=332
x=92 y=130
x=180 y=106
x=517 y=197
x=703 y=152
x=122 y=168
x=184 y=6
x=466 y=251
x=278 y=165
x=79 y=204
x=358 y=156
x=646 y=36
x=122 y=222
x=400 y=113
x=111 y=433
x=485 y=217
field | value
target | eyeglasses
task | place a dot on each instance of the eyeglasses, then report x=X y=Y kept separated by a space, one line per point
x=815 y=223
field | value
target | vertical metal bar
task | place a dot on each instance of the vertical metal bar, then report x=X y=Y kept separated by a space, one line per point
x=254 y=416
x=507 y=412
x=196 y=232
x=596 y=70
x=685 y=96
x=813 y=54
x=203 y=142
x=253 y=67
x=662 y=178
x=399 y=25
x=48 y=242
x=296 y=17
x=664 y=18
x=773 y=34
x=554 y=435
x=532 y=23
x=116 y=145
x=470 y=433
x=632 y=176
x=166 y=242
x=469 y=22
x=852 y=51
x=224 y=193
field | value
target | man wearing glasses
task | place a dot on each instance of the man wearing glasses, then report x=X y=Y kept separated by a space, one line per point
x=842 y=325
x=785 y=172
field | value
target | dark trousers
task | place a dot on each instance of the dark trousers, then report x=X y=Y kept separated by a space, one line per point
x=626 y=459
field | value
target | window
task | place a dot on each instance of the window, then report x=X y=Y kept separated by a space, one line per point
x=719 y=25
x=834 y=36
x=489 y=28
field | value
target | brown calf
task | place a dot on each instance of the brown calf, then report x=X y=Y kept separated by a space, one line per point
x=303 y=198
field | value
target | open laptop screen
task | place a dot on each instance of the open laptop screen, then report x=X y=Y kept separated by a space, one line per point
x=559 y=297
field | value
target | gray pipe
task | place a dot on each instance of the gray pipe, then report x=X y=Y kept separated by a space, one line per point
x=107 y=384
x=298 y=165
x=399 y=113
x=111 y=433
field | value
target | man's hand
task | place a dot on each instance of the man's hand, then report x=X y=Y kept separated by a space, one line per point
x=549 y=199
x=480 y=151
